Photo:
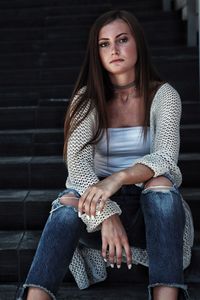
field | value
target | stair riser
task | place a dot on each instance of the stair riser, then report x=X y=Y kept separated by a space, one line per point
x=31 y=213
x=42 y=117
x=65 y=8
x=53 y=117
x=45 y=91
x=162 y=38
x=166 y=64
x=15 y=264
x=190 y=172
x=76 y=18
x=69 y=75
x=36 y=144
x=41 y=173
x=17 y=48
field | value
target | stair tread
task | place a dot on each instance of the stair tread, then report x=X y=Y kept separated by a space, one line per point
x=60 y=130
x=58 y=158
x=28 y=239
x=54 y=102
x=100 y=291
x=10 y=194
x=29 y=208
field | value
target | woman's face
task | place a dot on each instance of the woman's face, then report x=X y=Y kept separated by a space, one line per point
x=117 y=48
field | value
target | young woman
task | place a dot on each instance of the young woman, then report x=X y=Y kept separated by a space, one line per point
x=121 y=202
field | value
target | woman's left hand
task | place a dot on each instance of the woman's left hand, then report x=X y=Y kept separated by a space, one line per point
x=99 y=193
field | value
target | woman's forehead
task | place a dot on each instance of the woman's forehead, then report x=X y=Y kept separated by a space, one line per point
x=113 y=29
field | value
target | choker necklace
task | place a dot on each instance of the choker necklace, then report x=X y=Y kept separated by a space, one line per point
x=122 y=87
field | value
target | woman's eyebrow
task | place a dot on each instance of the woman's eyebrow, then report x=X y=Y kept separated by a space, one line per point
x=115 y=37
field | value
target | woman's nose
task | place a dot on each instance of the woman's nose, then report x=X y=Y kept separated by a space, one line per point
x=114 y=50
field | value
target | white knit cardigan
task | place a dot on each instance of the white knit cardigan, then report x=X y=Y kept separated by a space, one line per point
x=87 y=265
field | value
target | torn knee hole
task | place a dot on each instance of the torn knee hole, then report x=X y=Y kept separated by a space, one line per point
x=69 y=199
x=159 y=188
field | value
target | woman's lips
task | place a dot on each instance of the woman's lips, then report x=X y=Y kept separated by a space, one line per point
x=116 y=60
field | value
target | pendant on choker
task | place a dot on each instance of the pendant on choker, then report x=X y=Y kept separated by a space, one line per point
x=122 y=87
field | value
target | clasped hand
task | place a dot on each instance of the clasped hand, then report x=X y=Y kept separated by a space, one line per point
x=114 y=237
x=97 y=194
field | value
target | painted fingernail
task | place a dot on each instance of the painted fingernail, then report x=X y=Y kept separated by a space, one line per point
x=112 y=265
x=118 y=266
x=79 y=214
x=105 y=259
x=92 y=217
x=98 y=213
x=130 y=266
x=88 y=217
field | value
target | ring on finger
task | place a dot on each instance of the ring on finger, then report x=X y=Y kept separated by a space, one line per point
x=100 y=199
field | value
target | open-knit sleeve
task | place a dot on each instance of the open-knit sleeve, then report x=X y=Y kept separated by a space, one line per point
x=165 y=122
x=80 y=161
x=80 y=164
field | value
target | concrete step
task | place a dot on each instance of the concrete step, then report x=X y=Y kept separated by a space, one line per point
x=35 y=70
x=100 y=291
x=172 y=30
x=87 y=19
x=61 y=6
x=51 y=114
x=25 y=209
x=51 y=82
x=64 y=59
x=42 y=172
x=32 y=117
x=188 y=163
x=31 y=142
x=44 y=91
x=50 y=171
x=18 y=247
x=45 y=71
x=41 y=16
x=26 y=47
x=39 y=142
x=22 y=98
x=36 y=172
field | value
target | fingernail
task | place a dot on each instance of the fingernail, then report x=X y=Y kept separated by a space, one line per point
x=79 y=214
x=88 y=217
x=112 y=265
x=130 y=266
x=92 y=217
x=98 y=213
x=105 y=259
x=118 y=266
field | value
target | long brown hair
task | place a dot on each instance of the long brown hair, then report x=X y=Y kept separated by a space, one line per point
x=97 y=83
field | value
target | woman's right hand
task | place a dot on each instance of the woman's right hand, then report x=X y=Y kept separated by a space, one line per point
x=114 y=241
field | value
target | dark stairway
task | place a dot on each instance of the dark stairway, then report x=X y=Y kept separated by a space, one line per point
x=42 y=45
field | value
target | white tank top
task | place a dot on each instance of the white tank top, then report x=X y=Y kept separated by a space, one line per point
x=126 y=144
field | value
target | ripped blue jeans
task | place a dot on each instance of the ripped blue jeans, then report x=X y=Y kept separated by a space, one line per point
x=153 y=219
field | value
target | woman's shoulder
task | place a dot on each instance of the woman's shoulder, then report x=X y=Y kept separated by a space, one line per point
x=166 y=94
x=166 y=90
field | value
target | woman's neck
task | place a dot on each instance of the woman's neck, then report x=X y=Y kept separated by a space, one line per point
x=124 y=87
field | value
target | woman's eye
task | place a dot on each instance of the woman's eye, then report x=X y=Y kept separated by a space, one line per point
x=123 y=40
x=103 y=45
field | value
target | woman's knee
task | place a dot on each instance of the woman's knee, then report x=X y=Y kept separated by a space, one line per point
x=161 y=199
x=37 y=293
x=65 y=212
x=70 y=199
x=160 y=183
